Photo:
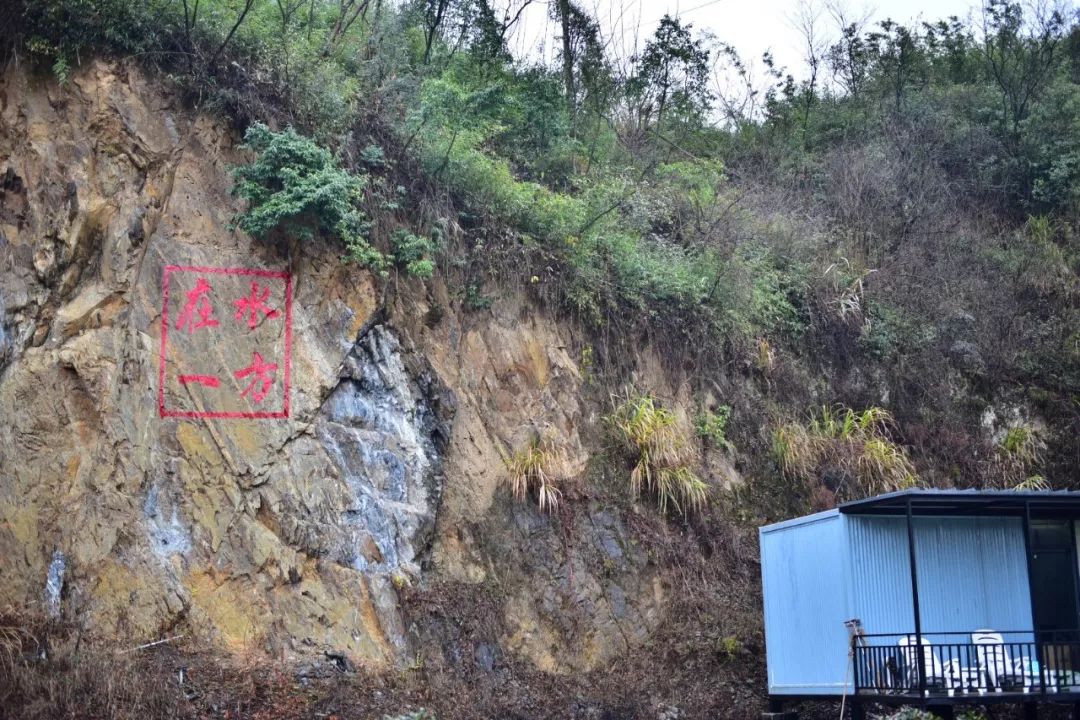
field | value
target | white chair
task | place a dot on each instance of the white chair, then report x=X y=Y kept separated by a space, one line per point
x=960 y=678
x=995 y=663
x=935 y=673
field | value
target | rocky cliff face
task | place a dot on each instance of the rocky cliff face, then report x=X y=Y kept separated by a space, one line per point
x=295 y=535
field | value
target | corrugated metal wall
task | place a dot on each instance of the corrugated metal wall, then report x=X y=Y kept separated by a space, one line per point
x=803 y=570
x=972 y=574
x=880 y=577
x=822 y=570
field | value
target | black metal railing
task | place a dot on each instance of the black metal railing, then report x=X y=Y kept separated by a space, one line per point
x=979 y=663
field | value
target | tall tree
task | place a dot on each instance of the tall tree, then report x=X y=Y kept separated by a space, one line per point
x=563 y=11
x=434 y=14
x=671 y=76
x=1019 y=55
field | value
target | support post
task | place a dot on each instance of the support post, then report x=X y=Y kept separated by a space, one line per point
x=1031 y=595
x=945 y=712
x=920 y=656
x=776 y=710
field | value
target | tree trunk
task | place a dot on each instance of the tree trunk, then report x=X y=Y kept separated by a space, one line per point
x=568 y=56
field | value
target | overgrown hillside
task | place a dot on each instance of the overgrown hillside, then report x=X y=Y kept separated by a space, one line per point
x=756 y=296
x=896 y=231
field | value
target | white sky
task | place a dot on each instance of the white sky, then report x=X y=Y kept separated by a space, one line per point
x=751 y=27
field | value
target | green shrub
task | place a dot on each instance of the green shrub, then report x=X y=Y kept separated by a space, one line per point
x=373 y=156
x=711 y=426
x=778 y=292
x=413 y=253
x=1021 y=444
x=61 y=33
x=1018 y=455
x=475 y=298
x=695 y=181
x=730 y=646
x=296 y=186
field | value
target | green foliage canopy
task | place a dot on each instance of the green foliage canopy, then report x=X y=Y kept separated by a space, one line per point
x=298 y=187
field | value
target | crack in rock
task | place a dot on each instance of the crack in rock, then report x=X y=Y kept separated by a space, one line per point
x=382 y=429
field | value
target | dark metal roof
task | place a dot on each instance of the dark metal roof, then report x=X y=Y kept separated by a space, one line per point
x=1042 y=503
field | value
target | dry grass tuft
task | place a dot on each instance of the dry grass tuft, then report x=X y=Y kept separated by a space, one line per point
x=660 y=453
x=853 y=449
x=531 y=471
x=1035 y=482
x=49 y=670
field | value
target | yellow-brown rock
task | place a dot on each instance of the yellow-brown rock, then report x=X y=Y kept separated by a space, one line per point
x=289 y=535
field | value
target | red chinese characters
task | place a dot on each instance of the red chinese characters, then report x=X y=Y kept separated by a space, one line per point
x=253 y=305
x=216 y=367
x=264 y=377
x=197 y=301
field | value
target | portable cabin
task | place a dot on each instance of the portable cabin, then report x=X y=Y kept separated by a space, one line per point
x=984 y=582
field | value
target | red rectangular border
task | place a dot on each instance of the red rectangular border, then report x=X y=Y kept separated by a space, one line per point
x=279 y=274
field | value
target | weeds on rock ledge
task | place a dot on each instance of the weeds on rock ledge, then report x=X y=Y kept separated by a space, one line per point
x=531 y=471
x=660 y=452
x=850 y=451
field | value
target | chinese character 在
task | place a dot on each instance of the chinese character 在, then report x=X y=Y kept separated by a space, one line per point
x=197 y=301
x=263 y=372
x=254 y=304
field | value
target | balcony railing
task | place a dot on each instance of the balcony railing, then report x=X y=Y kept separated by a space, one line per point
x=968 y=664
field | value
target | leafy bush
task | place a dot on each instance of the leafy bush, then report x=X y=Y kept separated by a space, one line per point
x=1019 y=452
x=658 y=450
x=711 y=426
x=61 y=32
x=475 y=299
x=297 y=186
x=613 y=268
x=413 y=253
x=695 y=182
x=776 y=299
x=1021 y=444
x=731 y=646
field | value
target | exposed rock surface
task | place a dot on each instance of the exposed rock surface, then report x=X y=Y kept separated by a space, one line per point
x=292 y=535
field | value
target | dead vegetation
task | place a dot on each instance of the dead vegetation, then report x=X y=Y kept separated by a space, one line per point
x=532 y=471
x=50 y=670
x=849 y=452
x=660 y=453
x=53 y=674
